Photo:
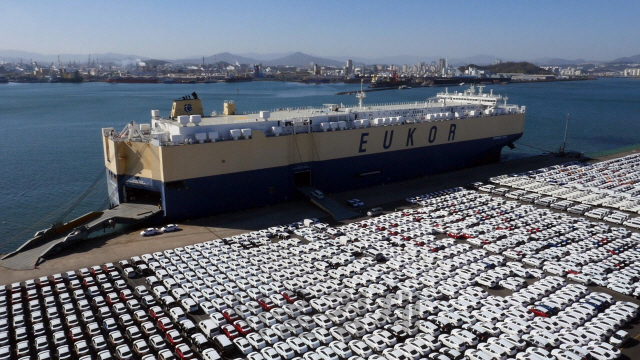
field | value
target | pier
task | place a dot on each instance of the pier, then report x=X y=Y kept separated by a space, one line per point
x=51 y=241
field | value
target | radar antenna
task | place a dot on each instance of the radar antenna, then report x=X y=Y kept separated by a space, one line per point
x=563 y=149
x=360 y=94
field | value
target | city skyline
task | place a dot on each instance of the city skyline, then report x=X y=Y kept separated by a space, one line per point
x=167 y=30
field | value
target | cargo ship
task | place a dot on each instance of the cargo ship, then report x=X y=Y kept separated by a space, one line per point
x=67 y=77
x=458 y=80
x=192 y=165
x=239 y=78
x=132 y=80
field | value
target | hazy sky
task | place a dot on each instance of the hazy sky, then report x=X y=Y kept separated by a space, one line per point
x=518 y=29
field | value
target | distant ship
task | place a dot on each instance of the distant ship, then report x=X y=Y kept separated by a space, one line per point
x=354 y=79
x=67 y=77
x=390 y=82
x=132 y=80
x=466 y=80
x=3 y=79
x=193 y=165
x=240 y=78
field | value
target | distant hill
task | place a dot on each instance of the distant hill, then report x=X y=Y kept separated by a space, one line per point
x=265 y=57
x=478 y=59
x=154 y=62
x=26 y=56
x=302 y=60
x=225 y=57
x=556 y=61
x=511 y=67
x=626 y=60
x=293 y=59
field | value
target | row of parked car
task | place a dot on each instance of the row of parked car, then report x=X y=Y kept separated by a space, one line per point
x=91 y=313
x=558 y=243
x=608 y=190
x=408 y=268
x=405 y=285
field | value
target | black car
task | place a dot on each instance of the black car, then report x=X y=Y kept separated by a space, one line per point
x=381 y=258
x=305 y=295
x=398 y=332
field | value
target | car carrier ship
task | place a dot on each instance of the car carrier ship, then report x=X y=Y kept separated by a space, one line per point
x=193 y=165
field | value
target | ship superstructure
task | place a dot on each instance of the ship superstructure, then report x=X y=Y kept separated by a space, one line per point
x=195 y=165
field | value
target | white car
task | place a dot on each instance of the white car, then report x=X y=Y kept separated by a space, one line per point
x=495 y=351
x=169 y=228
x=452 y=342
x=149 y=232
x=623 y=289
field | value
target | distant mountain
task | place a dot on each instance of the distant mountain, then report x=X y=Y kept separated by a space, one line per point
x=302 y=60
x=627 y=60
x=265 y=57
x=395 y=59
x=413 y=59
x=477 y=59
x=556 y=61
x=26 y=56
x=512 y=67
x=225 y=56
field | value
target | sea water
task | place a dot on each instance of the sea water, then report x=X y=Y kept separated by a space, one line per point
x=51 y=145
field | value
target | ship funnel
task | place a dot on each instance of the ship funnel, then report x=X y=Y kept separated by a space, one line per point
x=186 y=106
x=229 y=107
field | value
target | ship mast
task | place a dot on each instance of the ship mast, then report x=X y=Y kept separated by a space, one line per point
x=360 y=94
x=564 y=141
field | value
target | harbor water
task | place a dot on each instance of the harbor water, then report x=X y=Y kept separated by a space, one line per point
x=51 y=151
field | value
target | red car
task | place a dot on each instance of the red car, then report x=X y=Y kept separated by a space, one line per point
x=540 y=311
x=96 y=270
x=230 y=331
x=156 y=312
x=230 y=315
x=75 y=334
x=290 y=297
x=266 y=304
x=381 y=227
x=572 y=272
x=126 y=295
x=174 y=338
x=242 y=327
x=165 y=324
x=184 y=352
x=88 y=282
x=112 y=298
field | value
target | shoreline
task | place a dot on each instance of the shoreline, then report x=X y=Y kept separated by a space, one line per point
x=294 y=80
x=113 y=248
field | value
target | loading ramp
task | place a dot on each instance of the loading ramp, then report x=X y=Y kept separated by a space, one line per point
x=335 y=209
x=52 y=240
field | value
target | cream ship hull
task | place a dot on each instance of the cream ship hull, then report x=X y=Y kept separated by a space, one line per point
x=203 y=179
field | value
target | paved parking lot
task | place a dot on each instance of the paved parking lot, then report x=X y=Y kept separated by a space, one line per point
x=414 y=253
